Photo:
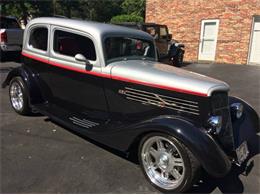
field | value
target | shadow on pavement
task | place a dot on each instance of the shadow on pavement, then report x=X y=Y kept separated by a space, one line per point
x=11 y=57
x=231 y=183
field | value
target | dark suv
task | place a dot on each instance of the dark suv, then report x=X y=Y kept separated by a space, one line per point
x=166 y=46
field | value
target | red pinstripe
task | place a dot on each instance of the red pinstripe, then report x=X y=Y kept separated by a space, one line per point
x=119 y=78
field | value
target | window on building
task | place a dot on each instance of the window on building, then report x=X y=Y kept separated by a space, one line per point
x=70 y=44
x=39 y=38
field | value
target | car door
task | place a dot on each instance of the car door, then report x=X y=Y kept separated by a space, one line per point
x=162 y=42
x=75 y=88
x=36 y=56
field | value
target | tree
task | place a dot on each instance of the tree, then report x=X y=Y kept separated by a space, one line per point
x=25 y=9
x=126 y=18
x=97 y=10
x=134 y=7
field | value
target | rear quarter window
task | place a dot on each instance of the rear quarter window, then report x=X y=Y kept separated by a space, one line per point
x=70 y=44
x=39 y=38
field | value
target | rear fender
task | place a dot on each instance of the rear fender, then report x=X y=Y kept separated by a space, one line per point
x=30 y=80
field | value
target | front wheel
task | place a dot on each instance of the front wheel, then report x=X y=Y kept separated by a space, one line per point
x=19 y=96
x=167 y=163
x=178 y=59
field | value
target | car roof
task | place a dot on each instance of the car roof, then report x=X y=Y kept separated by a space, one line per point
x=94 y=28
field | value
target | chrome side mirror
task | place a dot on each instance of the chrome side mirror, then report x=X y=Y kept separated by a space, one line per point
x=81 y=58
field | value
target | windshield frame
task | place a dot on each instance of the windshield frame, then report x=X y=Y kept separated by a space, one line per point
x=107 y=62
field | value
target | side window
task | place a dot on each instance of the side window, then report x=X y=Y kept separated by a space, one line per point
x=163 y=33
x=152 y=31
x=39 y=38
x=70 y=44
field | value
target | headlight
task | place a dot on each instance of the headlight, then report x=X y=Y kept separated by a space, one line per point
x=215 y=124
x=237 y=110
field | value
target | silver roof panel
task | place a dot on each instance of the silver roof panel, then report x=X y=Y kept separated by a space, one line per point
x=93 y=28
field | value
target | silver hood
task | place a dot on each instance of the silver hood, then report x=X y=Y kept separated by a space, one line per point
x=164 y=76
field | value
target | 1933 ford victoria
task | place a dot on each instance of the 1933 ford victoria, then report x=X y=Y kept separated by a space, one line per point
x=104 y=82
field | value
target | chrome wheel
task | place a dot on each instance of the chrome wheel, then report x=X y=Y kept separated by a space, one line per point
x=163 y=162
x=16 y=96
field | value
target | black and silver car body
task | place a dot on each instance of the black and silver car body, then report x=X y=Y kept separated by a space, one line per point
x=121 y=100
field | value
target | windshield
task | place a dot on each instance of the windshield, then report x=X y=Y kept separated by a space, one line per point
x=125 y=48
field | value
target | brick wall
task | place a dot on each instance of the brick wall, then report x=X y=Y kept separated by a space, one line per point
x=184 y=17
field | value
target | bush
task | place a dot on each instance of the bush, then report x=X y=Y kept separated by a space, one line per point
x=126 y=18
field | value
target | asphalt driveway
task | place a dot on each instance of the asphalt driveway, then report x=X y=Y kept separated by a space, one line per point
x=38 y=156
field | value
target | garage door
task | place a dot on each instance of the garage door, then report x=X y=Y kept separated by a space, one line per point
x=254 y=57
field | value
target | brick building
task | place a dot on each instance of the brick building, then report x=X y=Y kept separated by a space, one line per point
x=225 y=31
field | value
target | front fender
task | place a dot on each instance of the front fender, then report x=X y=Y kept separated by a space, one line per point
x=203 y=146
x=29 y=79
x=173 y=50
x=247 y=126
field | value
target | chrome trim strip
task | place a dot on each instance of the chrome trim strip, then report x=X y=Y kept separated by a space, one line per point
x=86 y=126
x=192 y=102
x=91 y=122
x=144 y=102
x=83 y=122
x=160 y=98
x=162 y=102
x=149 y=98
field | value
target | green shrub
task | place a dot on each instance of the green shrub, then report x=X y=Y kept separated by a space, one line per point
x=126 y=18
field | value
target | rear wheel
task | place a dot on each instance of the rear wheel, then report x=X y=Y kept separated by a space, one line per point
x=19 y=96
x=167 y=163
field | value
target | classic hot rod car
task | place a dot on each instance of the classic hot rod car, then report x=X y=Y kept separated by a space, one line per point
x=104 y=82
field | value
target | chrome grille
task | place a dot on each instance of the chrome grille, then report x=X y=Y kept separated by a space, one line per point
x=149 y=98
x=220 y=107
x=219 y=100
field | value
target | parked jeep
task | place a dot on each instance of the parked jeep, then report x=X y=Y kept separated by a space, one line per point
x=11 y=35
x=167 y=47
x=104 y=82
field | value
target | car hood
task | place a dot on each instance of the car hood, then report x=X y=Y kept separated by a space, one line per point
x=164 y=76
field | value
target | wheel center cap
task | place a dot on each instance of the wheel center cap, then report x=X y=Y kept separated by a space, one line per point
x=163 y=161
